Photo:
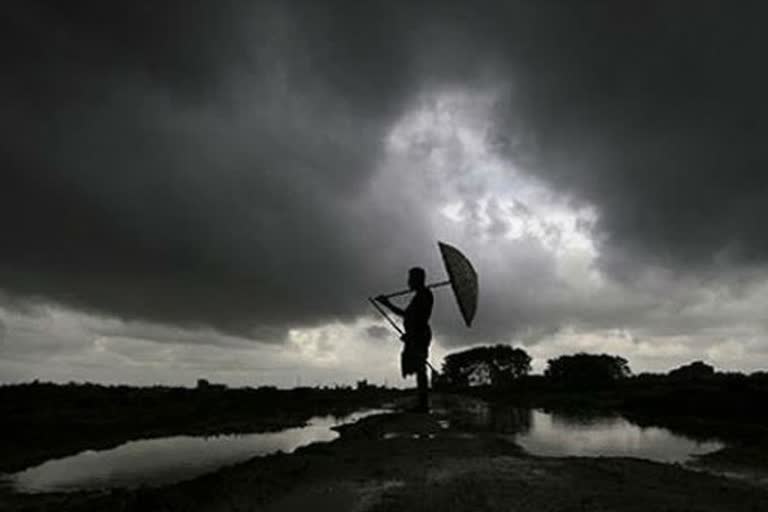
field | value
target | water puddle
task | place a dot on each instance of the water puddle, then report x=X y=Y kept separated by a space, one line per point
x=161 y=461
x=154 y=462
x=612 y=436
x=557 y=434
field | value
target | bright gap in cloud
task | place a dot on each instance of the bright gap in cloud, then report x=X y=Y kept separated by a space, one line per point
x=443 y=153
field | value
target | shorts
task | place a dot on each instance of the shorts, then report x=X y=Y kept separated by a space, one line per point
x=414 y=356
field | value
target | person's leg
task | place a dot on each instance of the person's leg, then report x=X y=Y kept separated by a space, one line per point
x=423 y=385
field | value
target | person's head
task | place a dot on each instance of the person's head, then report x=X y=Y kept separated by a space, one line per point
x=416 y=278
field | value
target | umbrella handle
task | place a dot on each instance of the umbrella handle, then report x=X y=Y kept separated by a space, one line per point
x=406 y=292
x=385 y=315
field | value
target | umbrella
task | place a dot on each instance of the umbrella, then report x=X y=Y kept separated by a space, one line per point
x=462 y=278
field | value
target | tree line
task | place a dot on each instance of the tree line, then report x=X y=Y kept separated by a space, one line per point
x=503 y=365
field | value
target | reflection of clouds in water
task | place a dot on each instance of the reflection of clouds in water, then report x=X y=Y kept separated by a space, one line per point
x=557 y=436
x=158 y=461
x=153 y=462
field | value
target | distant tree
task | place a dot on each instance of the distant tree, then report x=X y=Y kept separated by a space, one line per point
x=693 y=371
x=587 y=369
x=364 y=385
x=495 y=365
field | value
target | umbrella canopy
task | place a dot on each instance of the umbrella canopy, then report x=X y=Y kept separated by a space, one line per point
x=463 y=279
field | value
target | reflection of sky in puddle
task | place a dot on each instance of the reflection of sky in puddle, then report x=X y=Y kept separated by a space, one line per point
x=560 y=435
x=153 y=462
x=161 y=461
x=553 y=435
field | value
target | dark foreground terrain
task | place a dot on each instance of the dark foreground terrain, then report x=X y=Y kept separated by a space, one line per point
x=408 y=461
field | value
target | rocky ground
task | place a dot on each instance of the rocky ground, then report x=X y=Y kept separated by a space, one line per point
x=408 y=461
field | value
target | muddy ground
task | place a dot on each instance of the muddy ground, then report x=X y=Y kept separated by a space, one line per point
x=407 y=461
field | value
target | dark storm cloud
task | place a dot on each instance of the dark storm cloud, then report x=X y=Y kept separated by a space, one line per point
x=189 y=165
x=655 y=113
x=209 y=164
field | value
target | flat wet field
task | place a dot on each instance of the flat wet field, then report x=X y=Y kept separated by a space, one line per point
x=466 y=455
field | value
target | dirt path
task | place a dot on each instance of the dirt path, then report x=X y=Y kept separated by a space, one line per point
x=401 y=461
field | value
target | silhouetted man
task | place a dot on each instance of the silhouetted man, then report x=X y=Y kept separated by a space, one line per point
x=418 y=334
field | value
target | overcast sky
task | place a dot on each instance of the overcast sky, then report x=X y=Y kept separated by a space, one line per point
x=213 y=189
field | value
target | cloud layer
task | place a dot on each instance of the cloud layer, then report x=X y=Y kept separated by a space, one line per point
x=253 y=171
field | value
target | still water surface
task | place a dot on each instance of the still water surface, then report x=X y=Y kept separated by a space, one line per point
x=615 y=436
x=560 y=434
x=166 y=460
x=153 y=462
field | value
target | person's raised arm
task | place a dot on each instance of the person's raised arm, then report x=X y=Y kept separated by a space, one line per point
x=384 y=301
